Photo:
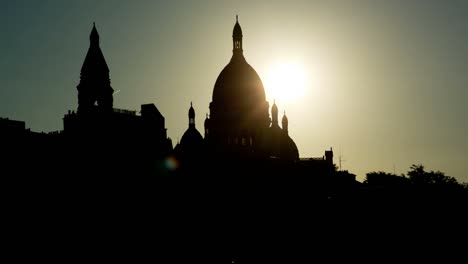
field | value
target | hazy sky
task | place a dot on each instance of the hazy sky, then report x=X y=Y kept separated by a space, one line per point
x=387 y=81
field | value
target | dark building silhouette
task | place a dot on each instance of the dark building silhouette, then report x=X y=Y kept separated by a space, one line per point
x=11 y=127
x=239 y=127
x=239 y=122
x=192 y=145
x=94 y=89
x=141 y=139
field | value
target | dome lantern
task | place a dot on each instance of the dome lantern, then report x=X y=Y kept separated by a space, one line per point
x=191 y=115
x=237 y=38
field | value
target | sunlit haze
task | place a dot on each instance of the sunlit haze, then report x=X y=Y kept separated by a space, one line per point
x=383 y=83
x=285 y=81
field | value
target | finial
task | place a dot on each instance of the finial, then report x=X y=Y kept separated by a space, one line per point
x=237 y=18
x=94 y=24
x=190 y=103
x=284 y=112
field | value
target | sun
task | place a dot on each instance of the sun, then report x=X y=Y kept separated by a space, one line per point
x=285 y=82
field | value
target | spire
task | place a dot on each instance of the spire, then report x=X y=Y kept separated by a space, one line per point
x=274 y=115
x=285 y=123
x=191 y=115
x=94 y=36
x=237 y=38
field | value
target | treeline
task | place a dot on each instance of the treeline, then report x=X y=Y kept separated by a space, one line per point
x=417 y=177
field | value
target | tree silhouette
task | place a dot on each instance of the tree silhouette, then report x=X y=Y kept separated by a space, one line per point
x=418 y=183
x=381 y=178
x=418 y=176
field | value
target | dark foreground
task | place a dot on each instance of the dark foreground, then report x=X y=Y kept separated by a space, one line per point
x=238 y=215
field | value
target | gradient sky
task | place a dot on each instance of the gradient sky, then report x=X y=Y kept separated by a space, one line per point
x=387 y=80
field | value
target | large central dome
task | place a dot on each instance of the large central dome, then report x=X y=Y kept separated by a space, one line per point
x=238 y=92
x=238 y=84
x=239 y=112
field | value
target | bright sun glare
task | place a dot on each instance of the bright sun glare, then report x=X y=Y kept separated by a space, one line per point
x=285 y=82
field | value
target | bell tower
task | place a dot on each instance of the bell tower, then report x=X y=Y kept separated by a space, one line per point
x=94 y=89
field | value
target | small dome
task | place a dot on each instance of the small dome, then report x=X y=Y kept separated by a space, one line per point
x=191 y=142
x=191 y=137
x=288 y=148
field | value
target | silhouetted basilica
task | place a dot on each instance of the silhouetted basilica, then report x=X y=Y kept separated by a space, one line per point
x=241 y=127
x=239 y=123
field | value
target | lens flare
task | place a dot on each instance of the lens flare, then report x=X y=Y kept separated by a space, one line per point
x=171 y=163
